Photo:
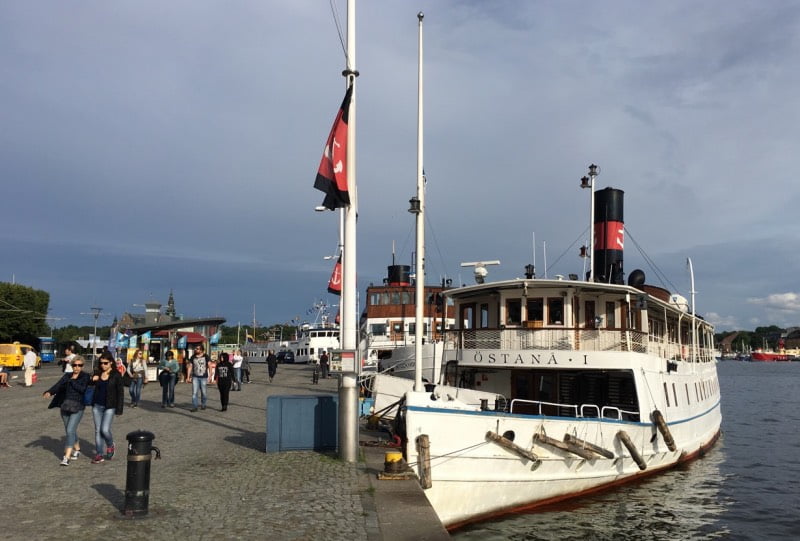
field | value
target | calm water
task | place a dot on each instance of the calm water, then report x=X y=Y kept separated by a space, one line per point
x=746 y=487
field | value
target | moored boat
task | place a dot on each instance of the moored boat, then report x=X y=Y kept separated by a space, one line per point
x=782 y=354
x=575 y=385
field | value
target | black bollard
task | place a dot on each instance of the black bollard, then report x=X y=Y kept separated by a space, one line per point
x=137 y=485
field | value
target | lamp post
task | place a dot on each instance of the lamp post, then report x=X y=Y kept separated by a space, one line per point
x=588 y=182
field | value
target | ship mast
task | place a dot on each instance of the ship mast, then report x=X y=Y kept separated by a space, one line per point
x=418 y=208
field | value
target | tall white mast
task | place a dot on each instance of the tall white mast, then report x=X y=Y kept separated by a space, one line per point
x=348 y=395
x=348 y=316
x=419 y=210
x=694 y=316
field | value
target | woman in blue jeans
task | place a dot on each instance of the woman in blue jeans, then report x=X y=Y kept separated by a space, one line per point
x=108 y=399
x=67 y=395
x=137 y=370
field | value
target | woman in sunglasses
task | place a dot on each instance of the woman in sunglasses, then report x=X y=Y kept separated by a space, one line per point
x=108 y=399
x=67 y=395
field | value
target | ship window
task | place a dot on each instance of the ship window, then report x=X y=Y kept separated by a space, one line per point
x=513 y=312
x=412 y=328
x=378 y=328
x=666 y=393
x=535 y=309
x=674 y=394
x=395 y=297
x=589 y=315
x=468 y=316
x=311 y=351
x=555 y=311
x=688 y=401
x=611 y=320
x=384 y=298
x=406 y=297
x=484 y=316
x=696 y=394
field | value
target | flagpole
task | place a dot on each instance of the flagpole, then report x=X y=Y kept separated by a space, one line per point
x=348 y=396
x=420 y=219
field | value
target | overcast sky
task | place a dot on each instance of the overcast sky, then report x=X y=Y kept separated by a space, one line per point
x=154 y=146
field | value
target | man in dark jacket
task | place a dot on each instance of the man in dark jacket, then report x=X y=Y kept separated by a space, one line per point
x=272 y=364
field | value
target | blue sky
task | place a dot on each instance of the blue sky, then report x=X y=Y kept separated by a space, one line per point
x=157 y=146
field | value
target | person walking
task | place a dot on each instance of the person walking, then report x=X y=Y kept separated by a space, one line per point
x=225 y=377
x=137 y=370
x=67 y=395
x=107 y=401
x=29 y=362
x=245 y=367
x=324 y=364
x=66 y=362
x=167 y=378
x=198 y=375
x=237 y=370
x=272 y=365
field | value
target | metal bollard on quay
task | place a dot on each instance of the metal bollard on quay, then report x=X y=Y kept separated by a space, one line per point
x=137 y=484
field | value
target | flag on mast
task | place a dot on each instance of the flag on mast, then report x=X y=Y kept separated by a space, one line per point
x=332 y=173
x=335 y=283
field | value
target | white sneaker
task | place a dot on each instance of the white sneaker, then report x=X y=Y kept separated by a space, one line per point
x=65 y=461
x=75 y=455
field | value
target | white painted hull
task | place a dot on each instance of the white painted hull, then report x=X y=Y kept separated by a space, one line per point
x=403 y=364
x=475 y=478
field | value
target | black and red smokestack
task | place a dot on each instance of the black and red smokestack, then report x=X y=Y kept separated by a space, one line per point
x=609 y=236
x=399 y=275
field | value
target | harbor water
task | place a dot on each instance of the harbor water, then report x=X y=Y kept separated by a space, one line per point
x=746 y=487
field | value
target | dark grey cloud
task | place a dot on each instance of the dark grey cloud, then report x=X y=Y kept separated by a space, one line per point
x=174 y=145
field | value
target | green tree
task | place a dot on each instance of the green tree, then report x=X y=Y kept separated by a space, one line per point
x=23 y=312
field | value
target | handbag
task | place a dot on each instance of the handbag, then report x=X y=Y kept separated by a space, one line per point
x=88 y=395
x=70 y=405
x=126 y=379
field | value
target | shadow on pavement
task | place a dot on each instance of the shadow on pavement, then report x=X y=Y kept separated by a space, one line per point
x=111 y=493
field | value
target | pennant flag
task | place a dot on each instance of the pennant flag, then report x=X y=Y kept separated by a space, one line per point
x=215 y=338
x=132 y=341
x=146 y=336
x=335 y=283
x=332 y=173
x=182 y=342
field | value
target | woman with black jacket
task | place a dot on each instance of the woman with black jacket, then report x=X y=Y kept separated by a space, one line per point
x=67 y=395
x=108 y=399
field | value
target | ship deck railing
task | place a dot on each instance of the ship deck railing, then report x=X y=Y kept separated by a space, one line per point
x=577 y=339
x=555 y=409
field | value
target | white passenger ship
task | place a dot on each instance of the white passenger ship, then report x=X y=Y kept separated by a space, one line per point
x=558 y=388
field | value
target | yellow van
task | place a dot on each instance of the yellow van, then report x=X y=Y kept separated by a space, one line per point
x=11 y=355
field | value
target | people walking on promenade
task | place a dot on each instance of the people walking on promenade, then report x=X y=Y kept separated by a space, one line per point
x=237 y=370
x=67 y=395
x=107 y=401
x=66 y=362
x=212 y=370
x=272 y=365
x=198 y=375
x=120 y=366
x=324 y=364
x=29 y=362
x=245 y=367
x=137 y=370
x=167 y=378
x=225 y=378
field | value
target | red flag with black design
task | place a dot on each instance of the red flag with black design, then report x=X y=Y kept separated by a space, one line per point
x=335 y=283
x=332 y=173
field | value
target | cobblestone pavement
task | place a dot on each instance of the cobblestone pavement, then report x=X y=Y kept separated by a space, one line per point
x=214 y=480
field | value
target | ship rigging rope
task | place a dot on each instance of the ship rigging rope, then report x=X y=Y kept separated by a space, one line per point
x=565 y=251
x=453 y=452
x=338 y=24
x=660 y=275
